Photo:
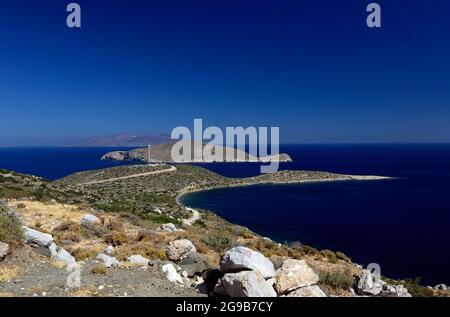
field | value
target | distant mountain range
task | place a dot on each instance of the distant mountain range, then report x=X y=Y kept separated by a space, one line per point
x=124 y=139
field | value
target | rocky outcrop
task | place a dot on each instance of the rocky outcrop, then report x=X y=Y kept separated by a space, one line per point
x=242 y=258
x=179 y=249
x=294 y=274
x=247 y=284
x=369 y=285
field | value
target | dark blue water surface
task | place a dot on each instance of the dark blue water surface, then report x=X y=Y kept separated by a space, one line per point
x=53 y=163
x=403 y=223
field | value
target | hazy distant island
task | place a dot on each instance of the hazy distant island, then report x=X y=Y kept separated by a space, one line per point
x=162 y=153
x=121 y=140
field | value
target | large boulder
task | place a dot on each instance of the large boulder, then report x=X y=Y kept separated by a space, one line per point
x=4 y=250
x=89 y=219
x=108 y=261
x=308 y=291
x=178 y=249
x=35 y=237
x=242 y=258
x=294 y=274
x=171 y=273
x=247 y=284
x=194 y=264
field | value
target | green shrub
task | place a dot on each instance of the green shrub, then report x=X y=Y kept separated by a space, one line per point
x=10 y=229
x=414 y=286
x=339 y=279
x=219 y=241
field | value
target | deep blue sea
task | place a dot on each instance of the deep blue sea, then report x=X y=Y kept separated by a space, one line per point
x=55 y=162
x=402 y=223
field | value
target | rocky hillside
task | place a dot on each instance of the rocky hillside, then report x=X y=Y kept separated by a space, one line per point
x=162 y=153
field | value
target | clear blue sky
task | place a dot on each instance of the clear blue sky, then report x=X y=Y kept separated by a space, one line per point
x=311 y=67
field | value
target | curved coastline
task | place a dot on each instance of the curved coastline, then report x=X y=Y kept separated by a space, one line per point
x=342 y=178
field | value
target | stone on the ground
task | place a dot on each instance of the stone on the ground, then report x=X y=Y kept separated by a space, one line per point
x=247 y=284
x=138 y=260
x=108 y=261
x=365 y=281
x=394 y=291
x=402 y=291
x=4 y=249
x=294 y=274
x=64 y=256
x=37 y=238
x=89 y=219
x=171 y=274
x=169 y=227
x=308 y=291
x=367 y=285
x=242 y=258
x=194 y=264
x=109 y=250
x=53 y=248
x=178 y=249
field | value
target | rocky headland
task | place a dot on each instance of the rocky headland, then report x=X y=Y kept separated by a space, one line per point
x=162 y=153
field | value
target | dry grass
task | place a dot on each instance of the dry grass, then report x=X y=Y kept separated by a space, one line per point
x=86 y=291
x=116 y=238
x=5 y=294
x=82 y=253
x=99 y=269
x=9 y=273
x=146 y=249
x=59 y=265
x=53 y=213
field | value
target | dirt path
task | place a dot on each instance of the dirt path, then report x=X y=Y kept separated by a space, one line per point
x=168 y=170
x=191 y=220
